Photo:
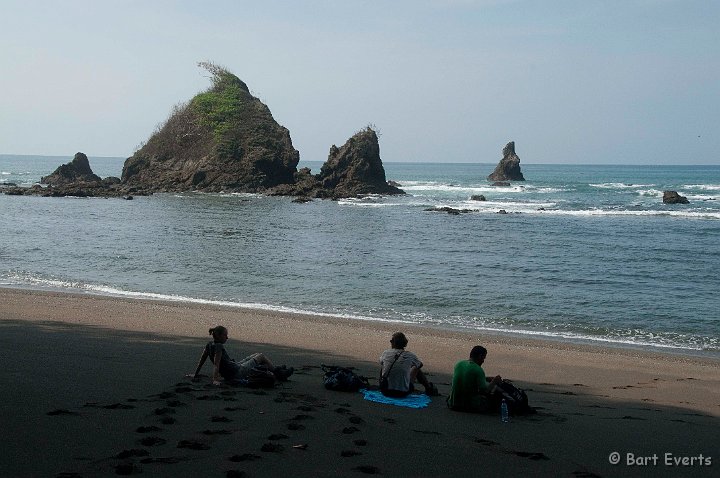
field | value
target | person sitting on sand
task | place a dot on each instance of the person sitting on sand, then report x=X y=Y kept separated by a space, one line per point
x=231 y=370
x=471 y=391
x=401 y=368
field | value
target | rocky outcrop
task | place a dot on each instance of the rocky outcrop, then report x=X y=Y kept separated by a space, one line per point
x=508 y=169
x=672 y=197
x=478 y=197
x=223 y=139
x=355 y=168
x=76 y=171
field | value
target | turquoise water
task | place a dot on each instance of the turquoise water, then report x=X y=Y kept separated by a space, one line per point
x=585 y=253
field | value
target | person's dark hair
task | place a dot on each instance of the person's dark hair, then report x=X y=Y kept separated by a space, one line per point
x=478 y=352
x=398 y=340
x=217 y=331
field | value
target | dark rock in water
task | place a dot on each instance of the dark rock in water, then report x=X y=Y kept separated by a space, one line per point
x=672 y=197
x=477 y=197
x=502 y=211
x=223 y=139
x=508 y=169
x=449 y=210
x=128 y=198
x=394 y=184
x=356 y=168
x=76 y=171
x=501 y=183
x=8 y=185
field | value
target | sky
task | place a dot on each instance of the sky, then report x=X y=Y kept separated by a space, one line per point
x=570 y=81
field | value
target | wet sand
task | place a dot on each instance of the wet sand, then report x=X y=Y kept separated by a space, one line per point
x=95 y=386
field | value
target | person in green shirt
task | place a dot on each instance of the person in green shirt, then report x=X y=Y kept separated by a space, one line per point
x=471 y=390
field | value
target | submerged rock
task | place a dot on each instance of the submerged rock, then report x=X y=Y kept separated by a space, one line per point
x=478 y=197
x=76 y=171
x=508 y=169
x=672 y=197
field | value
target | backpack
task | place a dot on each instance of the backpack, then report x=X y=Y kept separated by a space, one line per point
x=342 y=379
x=516 y=398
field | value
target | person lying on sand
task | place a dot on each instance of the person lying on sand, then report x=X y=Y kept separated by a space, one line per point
x=471 y=391
x=231 y=370
x=400 y=368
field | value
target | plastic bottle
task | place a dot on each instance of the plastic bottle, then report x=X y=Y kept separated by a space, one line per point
x=504 y=415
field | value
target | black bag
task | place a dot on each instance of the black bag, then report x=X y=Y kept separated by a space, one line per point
x=516 y=398
x=342 y=379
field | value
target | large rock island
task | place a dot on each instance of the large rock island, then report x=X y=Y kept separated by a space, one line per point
x=508 y=169
x=225 y=139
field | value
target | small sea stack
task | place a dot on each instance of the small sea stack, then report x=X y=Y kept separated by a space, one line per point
x=508 y=169
x=76 y=171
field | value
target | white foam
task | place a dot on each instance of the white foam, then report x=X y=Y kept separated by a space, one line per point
x=620 y=185
x=704 y=187
x=5 y=173
x=415 y=318
x=650 y=192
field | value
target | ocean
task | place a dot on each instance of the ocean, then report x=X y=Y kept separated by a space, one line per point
x=586 y=253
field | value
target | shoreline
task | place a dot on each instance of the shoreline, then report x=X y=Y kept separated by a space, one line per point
x=541 y=338
x=93 y=373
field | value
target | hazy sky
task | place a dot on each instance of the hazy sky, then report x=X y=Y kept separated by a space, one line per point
x=576 y=81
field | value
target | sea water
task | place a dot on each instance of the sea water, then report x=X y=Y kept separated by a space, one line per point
x=584 y=253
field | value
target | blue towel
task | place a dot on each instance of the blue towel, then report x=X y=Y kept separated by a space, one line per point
x=411 y=401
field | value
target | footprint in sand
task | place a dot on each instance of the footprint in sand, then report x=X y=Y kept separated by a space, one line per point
x=152 y=441
x=209 y=397
x=167 y=420
x=148 y=429
x=219 y=419
x=295 y=427
x=342 y=411
x=536 y=456
x=302 y=417
x=167 y=460
x=62 y=411
x=485 y=442
x=585 y=474
x=368 y=469
x=272 y=448
x=216 y=432
x=164 y=411
x=277 y=436
x=427 y=432
x=118 y=406
x=131 y=453
x=356 y=420
x=244 y=457
x=349 y=453
x=360 y=442
x=192 y=445
x=350 y=430
x=127 y=469
x=235 y=474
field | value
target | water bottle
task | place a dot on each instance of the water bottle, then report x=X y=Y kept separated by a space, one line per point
x=504 y=415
